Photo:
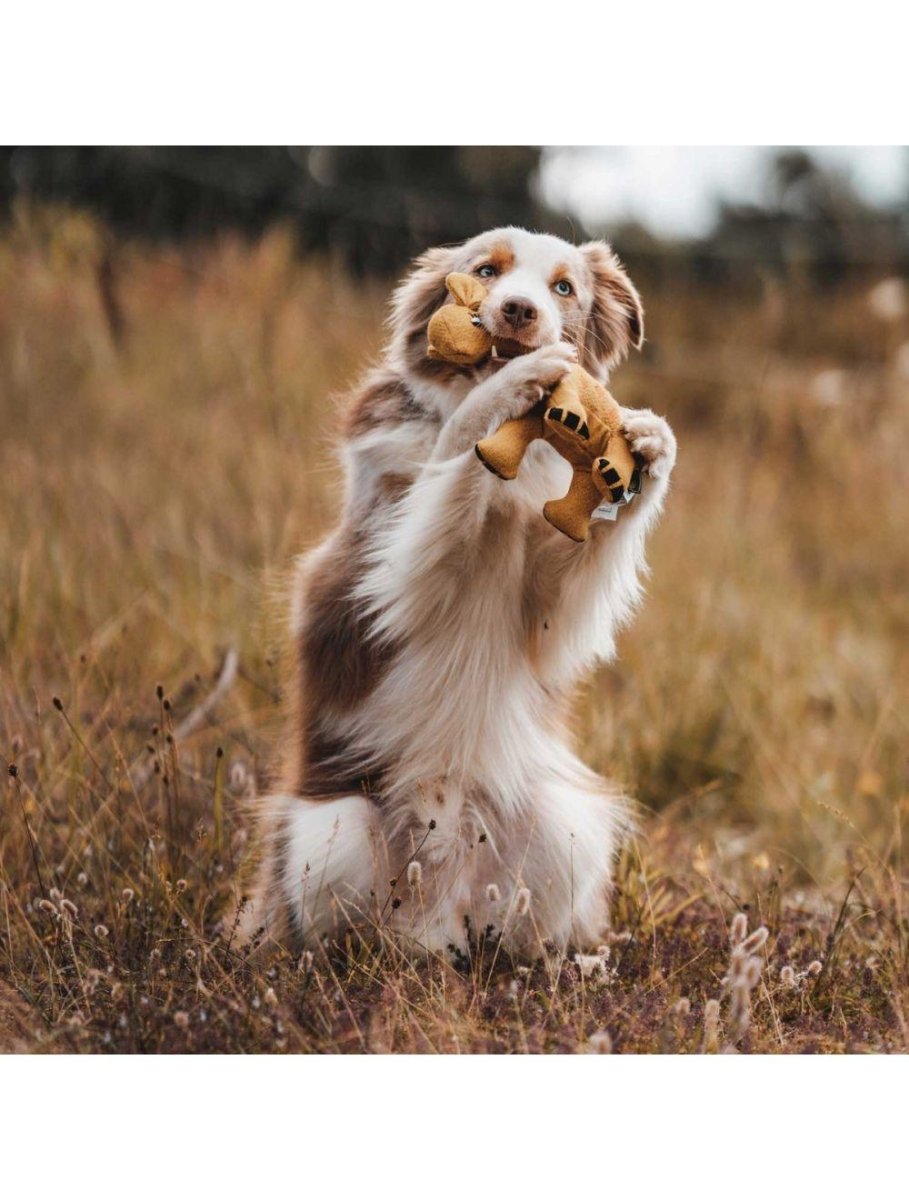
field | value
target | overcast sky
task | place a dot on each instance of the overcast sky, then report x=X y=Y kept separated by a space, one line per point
x=673 y=190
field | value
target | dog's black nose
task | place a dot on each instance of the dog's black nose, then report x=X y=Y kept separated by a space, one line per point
x=518 y=311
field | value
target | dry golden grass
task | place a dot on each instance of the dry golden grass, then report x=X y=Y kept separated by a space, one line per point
x=166 y=433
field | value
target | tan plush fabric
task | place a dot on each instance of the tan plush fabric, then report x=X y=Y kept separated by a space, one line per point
x=454 y=333
x=580 y=419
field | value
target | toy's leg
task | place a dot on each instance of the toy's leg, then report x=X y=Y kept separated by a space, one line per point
x=607 y=480
x=566 y=419
x=618 y=473
x=503 y=451
x=571 y=514
x=568 y=424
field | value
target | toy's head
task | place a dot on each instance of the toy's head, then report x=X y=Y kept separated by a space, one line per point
x=456 y=333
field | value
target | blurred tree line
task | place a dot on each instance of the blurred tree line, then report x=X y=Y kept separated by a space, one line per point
x=808 y=223
x=377 y=206
x=812 y=220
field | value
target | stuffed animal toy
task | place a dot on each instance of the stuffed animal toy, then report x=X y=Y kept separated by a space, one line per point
x=579 y=419
x=456 y=333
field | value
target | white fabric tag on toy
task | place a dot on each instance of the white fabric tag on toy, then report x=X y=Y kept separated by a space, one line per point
x=610 y=512
x=606 y=512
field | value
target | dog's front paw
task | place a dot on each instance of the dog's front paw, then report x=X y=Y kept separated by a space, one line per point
x=652 y=438
x=539 y=371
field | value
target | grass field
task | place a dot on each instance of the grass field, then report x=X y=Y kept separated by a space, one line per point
x=166 y=450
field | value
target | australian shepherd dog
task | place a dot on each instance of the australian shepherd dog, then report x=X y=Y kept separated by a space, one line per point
x=431 y=790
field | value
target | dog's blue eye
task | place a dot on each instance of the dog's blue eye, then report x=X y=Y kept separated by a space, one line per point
x=486 y=271
x=563 y=287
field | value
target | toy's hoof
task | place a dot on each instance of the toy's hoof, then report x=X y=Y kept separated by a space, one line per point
x=570 y=420
x=568 y=522
x=489 y=462
x=611 y=479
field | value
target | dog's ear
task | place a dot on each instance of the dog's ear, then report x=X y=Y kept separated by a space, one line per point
x=420 y=294
x=616 y=322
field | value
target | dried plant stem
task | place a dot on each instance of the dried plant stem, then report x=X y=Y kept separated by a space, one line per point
x=141 y=773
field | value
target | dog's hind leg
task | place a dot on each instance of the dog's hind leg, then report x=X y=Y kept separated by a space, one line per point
x=320 y=871
x=564 y=858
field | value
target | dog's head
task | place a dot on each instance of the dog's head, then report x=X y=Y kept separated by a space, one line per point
x=540 y=289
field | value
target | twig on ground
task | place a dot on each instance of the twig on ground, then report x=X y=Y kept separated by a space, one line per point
x=141 y=774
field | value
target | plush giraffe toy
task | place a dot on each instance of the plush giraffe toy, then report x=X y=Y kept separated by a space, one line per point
x=579 y=419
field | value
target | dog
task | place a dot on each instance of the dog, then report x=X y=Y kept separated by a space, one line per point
x=431 y=790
